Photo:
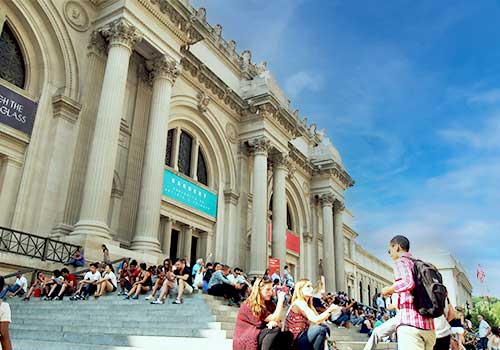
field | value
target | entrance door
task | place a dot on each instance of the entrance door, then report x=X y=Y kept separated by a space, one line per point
x=173 y=245
x=194 y=251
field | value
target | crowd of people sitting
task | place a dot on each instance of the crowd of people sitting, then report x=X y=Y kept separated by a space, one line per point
x=311 y=310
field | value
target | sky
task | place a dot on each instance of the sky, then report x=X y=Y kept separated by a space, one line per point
x=409 y=93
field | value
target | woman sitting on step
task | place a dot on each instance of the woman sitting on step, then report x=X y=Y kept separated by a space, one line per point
x=306 y=325
x=108 y=283
x=258 y=321
x=163 y=271
x=39 y=283
x=142 y=285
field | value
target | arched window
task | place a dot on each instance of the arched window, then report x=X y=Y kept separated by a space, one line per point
x=185 y=149
x=369 y=295
x=201 y=171
x=170 y=143
x=185 y=162
x=289 y=222
x=361 y=292
x=11 y=58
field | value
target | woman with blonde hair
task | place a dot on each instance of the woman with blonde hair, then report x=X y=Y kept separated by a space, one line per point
x=303 y=320
x=258 y=321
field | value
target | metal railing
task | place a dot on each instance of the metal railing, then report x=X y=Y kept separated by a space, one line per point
x=33 y=246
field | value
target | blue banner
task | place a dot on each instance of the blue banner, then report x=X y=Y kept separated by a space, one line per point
x=187 y=193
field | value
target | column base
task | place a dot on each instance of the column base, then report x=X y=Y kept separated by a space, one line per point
x=61 y=230
x=255 y=273
x=146 y=244
x=92 y=228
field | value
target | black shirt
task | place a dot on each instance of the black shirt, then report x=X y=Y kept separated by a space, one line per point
x=185 y=271
x=208 y=275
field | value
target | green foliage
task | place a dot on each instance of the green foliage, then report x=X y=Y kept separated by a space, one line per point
x=488 y=307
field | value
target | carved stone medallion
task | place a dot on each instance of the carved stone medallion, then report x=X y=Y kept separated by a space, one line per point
x=76 y=16
x=231 y=133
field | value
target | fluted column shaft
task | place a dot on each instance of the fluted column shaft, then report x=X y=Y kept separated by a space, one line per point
x=328 y=243
x=258 y=242
x=280 y=170
x=313 y=256
x=10 y=179
x=188 y=239
x=339 y=245
x=167 y=237
x=102 y=158
x=164 y=72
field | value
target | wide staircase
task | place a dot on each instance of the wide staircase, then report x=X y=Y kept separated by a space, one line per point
x=345 y=339
x=110 y=323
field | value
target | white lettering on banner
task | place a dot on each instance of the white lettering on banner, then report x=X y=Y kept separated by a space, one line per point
x=8 y=112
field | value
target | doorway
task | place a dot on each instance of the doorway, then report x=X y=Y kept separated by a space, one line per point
x=173 y=245
x=194 y=250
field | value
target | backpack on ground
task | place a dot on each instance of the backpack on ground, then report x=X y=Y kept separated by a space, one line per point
x=429 y=294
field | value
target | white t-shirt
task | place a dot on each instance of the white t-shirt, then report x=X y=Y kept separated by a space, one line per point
x=23 y=282
x=92 y=276
x=483 y=328
x=4 y=312
x=112 y=278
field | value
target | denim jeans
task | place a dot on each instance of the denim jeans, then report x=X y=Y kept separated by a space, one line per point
x=76 y=263
x=12 y=288
x=313 y=338
x=483 y=343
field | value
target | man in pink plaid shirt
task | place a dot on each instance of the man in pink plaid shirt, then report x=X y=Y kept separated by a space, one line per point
x=415 y=332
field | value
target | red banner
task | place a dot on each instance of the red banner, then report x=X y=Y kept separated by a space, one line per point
x=292 y=241
x=274 y=265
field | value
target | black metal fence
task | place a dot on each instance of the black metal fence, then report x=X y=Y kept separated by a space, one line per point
x=34 y=246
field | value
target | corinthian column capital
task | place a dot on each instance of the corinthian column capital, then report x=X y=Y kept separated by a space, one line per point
x=281 y=160
x=338 y=206
x=260 y=145
x=163 y=67
x=326 y=199
x=121 y=33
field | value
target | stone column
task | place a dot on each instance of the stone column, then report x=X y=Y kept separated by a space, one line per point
x=207 y=239
x=309 y=265
x=188 y=239
x=339 y=245
x=280 y=170
x=313 y=256
x=326 y=201
x=164 y=73
x=10 y=179
x=102 y=157
x=231 y=228
x=258 y=242
x=167 y=237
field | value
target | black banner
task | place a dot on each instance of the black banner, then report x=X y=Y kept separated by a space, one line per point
x=16 y=110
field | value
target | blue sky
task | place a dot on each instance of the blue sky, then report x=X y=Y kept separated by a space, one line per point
x=409 y=93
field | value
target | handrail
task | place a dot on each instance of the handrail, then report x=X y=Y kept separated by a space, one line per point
x=34 y=246
x=80 y=272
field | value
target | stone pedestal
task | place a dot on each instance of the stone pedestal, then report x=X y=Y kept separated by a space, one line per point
x=10 y=179
x=188 y=239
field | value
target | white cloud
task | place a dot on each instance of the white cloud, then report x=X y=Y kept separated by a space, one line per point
x=487 y=96
x=484 y=137
x=302 y=81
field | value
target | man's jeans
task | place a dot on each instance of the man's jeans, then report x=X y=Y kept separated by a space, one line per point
x=76 y=263
x=12 y=288
x=482 y=344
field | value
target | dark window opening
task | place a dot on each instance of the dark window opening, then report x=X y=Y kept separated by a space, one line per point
x=170 y=142
x=11 y=58
x=185 y=146
x=201 y=171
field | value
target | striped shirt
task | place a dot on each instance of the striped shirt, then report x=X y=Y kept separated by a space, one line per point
x=404 y=285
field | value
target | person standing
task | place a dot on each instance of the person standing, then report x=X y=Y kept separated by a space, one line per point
x=414 y=331
x=5 y=321
x=484 y=332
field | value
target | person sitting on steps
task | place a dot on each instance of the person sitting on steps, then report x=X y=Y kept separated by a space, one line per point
x=142 y=285
x=108 y=282
x=88 y=285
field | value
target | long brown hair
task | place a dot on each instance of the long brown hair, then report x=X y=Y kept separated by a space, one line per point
x=257 y=305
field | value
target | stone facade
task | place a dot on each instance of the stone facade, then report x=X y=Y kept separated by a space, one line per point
x=130 y=91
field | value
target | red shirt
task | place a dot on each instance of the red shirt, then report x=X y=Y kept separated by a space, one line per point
x=404 y=285
x=71 y=278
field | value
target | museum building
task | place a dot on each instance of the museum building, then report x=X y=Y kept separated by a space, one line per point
x=135 y=124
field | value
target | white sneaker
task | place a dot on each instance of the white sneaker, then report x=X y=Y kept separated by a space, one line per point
x=148 y=297
x=157 y=301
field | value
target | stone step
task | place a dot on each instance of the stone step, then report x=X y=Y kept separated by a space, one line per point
x=95 y=337
x=176 y=322
x=360 y=345
x=137 y=329
x=135 y=343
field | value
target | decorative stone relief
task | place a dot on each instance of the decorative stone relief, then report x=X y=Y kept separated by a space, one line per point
x=163 y=67
x=121 y=32
x=203 y=101
x=326 y=199
x=305 y=187
x=76 y=16
x=338 y=205
x=231 y=133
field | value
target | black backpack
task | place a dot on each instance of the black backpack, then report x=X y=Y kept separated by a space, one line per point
x=429 y=294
